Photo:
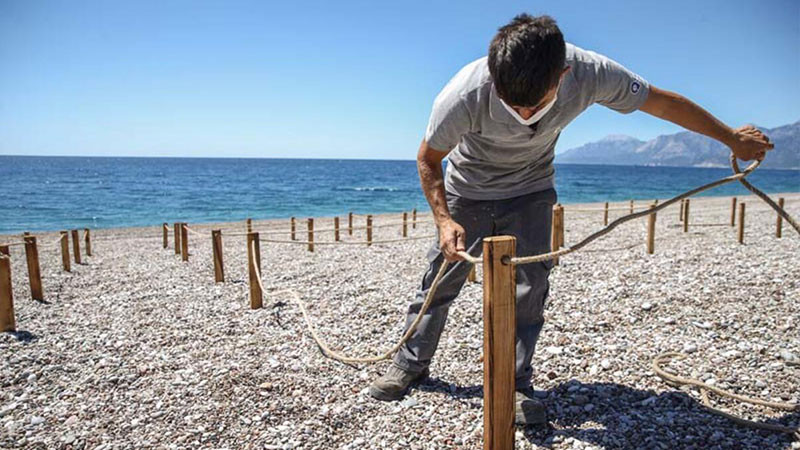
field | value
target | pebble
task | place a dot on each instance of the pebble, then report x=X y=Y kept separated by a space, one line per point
x=788 y=356
x=409 y=402
x=37 y=420
x=7 y=409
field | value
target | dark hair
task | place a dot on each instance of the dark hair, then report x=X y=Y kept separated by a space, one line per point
x=526 y=58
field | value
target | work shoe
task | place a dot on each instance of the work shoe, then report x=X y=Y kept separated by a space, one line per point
x=528 y=410
x=394 y=384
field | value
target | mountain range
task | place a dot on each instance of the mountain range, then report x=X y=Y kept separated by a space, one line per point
x=685 y=149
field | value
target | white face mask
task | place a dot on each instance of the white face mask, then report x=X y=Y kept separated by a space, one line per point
x=534 y=118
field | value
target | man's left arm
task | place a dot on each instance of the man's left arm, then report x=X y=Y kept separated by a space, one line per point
x=746 y=142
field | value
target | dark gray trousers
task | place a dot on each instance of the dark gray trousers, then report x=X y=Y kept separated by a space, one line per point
x=528 y=218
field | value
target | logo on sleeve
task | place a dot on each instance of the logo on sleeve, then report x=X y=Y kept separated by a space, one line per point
x=635 y=86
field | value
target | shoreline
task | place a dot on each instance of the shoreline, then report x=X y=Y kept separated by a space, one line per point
x=420 y=213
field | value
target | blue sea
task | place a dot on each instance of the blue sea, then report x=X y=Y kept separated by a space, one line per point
x=54 y=193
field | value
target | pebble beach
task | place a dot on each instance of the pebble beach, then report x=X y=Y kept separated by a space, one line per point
x=135 y=348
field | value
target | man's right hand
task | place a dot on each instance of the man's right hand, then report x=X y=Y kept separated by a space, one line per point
x=451 y=239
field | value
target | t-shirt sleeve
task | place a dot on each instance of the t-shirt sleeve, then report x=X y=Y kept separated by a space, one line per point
x=448 y=122
x=617 y=87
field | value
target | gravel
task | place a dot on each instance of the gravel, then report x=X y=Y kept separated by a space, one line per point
x=135 y=348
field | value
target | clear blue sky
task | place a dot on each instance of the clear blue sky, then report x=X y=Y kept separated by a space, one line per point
x=349 y=79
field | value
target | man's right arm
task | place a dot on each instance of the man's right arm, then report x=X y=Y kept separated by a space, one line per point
x=451 y=234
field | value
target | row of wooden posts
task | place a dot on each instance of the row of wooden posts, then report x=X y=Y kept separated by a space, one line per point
x=181 y=237
x=7 y=316
x=684 y=217
x=558 y=222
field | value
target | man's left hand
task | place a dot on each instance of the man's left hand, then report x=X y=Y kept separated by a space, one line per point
x=750 y=143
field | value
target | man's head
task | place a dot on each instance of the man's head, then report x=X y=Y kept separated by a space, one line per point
x=526 y=61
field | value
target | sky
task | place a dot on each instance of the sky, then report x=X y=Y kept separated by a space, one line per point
x=350 y=79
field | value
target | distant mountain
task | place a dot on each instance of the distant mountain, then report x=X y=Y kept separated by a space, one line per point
x=682 y=149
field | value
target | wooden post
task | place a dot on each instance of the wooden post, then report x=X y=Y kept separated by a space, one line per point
x=741 y=223
x=414 y=218
x=294 y=227
x=554 y=234
x=336 y=228
x=350 y=223
x=165 y=230
x=4 y=250
x=631 y=206
x=7 y=321
x=253 y=262
x=34 y=273
x=605 y=214
x=184 y=242
x=369 y=230
x=405 y=224
x=779 y=224
x=76 y=247
x=176 y=234
x=249 y=225
x=87 y=240
x=216 y=247
x=499 y=335
x=651 y=231
x=686 y=216
x=65 y=251
x=310 y=234
x=472 y=275
x=733 y=211
x=560 y=225
x=680 y=215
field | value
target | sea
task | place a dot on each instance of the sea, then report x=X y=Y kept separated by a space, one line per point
x=39 y=193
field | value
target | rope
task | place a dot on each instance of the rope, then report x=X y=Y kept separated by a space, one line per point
x=621 y=208
x=196 y=233
x=782 y=212
x=704 y=388
x=385 y=241
x=344 y=228
x=12 y=244
x=738 y=175
x=326 y=350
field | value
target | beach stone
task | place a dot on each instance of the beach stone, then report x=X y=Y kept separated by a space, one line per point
x=37 y=420
x=7 y=409
x=689 y=348
x=409 y=402
x=788 y=356
x=71 y=420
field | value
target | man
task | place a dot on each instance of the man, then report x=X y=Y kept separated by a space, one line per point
x=498 y=121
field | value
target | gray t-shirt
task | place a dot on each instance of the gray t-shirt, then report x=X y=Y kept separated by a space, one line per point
x=495 y=157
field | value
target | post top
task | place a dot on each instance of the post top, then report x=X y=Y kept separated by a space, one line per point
x=504 y=238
